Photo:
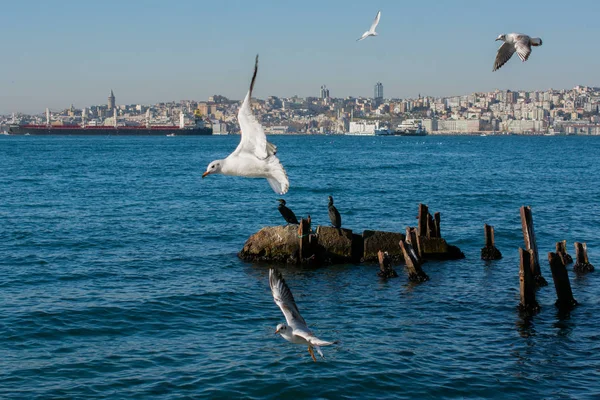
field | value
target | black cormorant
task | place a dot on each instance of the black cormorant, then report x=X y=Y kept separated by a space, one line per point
x=334 y=215
x=286 y=213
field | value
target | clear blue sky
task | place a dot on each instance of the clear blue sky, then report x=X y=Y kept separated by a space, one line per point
x=55 y=53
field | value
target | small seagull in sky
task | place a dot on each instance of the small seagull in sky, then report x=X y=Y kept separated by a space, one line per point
x=255 y=156
x=514 y=42
x=371 y=31
x=296 y=330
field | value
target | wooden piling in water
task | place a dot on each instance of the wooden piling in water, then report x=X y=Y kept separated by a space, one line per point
x=413 y=239
x=530 y=244
x=582 y=264
x=561 y=250
x=437 y=219
x=489 y=251
x=564 y=294
x=415 y=272
x=304 y=239
x=431 y=230
x=385 y=266
x=527 y=284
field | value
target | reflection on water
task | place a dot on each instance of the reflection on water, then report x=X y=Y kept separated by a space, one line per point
x=525 y=325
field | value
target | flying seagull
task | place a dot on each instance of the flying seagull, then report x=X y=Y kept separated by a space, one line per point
x=514 y=42
x=255 y=156
x=371 y=31
x=286 y=213
x=334 y=215
x=296 y=330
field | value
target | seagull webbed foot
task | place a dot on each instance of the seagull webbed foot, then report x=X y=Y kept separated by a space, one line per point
x=312 y=354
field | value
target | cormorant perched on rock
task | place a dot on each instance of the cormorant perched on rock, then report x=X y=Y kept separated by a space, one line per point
x=286 y=213
x=334 y=215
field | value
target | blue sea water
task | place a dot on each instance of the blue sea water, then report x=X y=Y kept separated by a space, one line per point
x=119 y=276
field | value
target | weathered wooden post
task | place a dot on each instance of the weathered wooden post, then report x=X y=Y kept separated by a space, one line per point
x=415 y=273
x=422 y=220
x=304 y=239
x=385 y=266
x=582 y=264
x=530 y=244
x=413 y=239
x=527 y=284
x=438 y=230
x=489 y=251
x=431 y=230
x=560 y=276
x=561 y=250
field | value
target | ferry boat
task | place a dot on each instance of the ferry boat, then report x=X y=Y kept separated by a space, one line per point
x=410 y=127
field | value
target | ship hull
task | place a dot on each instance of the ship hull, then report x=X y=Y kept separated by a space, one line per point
x=107 y=131
x=410 y=133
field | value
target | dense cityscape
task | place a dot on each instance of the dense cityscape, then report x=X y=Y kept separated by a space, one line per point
x=550 y=112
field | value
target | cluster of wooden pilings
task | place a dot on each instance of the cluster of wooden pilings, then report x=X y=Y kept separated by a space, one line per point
x=530 y=276
x=328 y=245
x=300 y=244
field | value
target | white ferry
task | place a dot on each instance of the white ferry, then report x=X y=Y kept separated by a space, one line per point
x=410 y=127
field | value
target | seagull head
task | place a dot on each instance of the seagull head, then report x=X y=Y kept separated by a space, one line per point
x=213 y=168
x=330 y=199
x=281 y=328
x=281 y=201
x=501 y=37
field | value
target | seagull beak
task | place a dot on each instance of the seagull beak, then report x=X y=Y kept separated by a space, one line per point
x=277 y=331
x=498 y=39
x=204 y=175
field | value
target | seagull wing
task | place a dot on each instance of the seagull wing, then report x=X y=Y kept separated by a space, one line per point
x=375 y=22
x=285 y=300
x=366 y=34
x=253 y=139
x=523 y=48
x=504 y=54
x=312 y=339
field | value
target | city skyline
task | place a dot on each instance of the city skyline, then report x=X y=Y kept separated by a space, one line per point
x=149 y=53
x=106 y=102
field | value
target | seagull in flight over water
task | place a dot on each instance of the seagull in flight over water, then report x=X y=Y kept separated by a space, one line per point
x=255 y=156
x=371 y=31
x=514 y=42
x=296 y=330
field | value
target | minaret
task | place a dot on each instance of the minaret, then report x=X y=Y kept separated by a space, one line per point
x=111 y=100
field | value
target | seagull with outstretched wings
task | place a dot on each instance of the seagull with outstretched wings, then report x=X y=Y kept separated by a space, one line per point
x=254 y=157
x=296 y=330
x=371 y=31
x=514 y=43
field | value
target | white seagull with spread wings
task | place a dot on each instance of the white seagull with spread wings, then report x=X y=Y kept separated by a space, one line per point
x=514 y=42
x=296 y=330
x=255 y=156
x=371 y=31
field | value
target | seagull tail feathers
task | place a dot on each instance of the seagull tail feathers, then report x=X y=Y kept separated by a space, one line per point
x=277 y=178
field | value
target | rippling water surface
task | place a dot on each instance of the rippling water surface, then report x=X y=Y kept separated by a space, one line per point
x=119 y=276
